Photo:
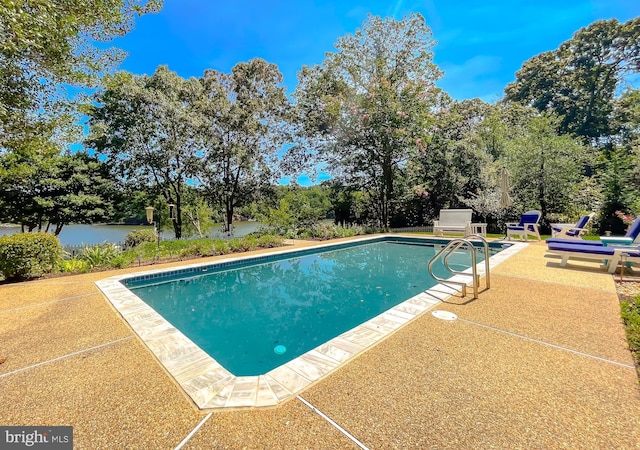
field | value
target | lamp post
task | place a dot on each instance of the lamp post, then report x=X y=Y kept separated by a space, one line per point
x=149 y=210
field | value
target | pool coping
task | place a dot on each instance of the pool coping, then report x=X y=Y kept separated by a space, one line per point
x=210 y=386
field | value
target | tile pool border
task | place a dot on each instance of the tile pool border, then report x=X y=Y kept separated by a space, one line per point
x=211 y=386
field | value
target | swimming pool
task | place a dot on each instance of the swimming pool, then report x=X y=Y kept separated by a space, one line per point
x=334 y=302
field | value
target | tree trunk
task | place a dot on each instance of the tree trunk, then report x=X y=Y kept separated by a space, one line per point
x=177 y=222
x=228 y=224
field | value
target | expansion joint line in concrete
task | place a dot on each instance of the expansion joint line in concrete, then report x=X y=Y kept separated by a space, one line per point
x=328 y=419
x=548 y=344
x=194 y=431
x=63 y=299
x=69 y=355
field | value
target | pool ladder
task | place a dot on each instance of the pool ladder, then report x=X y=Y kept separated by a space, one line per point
x=465 y=243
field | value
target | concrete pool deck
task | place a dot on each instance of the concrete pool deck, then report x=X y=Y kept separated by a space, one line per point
x=540 y=360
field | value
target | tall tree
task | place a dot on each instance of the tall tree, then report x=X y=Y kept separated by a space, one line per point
x=147 y=127
x=363 y=108
x=45 y=47
x=580 y=80
x=244 y=128
x=44 y=192
x=447 y=161
x=546 y=168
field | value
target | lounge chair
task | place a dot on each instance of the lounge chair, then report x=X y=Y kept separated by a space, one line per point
x=609 y=256
x=573 y=232
x=528 y=226
x=632 y=234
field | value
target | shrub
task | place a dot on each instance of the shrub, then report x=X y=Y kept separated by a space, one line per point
x=236 y=245
x=137 y=237
x=221 y=247
x=200 y=247
x=268 y=241
x=73 y=266
x=100 y=256
x=249 y=243
x=26 y=255
x=630 y=311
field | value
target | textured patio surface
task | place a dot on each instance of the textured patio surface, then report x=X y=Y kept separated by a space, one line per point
x=540 y=360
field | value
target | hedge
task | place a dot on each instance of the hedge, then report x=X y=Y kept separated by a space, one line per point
x=27 y=255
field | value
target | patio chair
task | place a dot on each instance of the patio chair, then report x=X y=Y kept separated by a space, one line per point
x=608 y=256
x=528 y=226
x=632 y=234
x=573 y=232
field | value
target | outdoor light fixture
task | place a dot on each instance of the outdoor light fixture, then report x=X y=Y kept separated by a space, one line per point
x=149 y=210
x=172 y=211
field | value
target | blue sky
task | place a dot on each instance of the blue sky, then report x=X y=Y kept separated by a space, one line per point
x=480 y=44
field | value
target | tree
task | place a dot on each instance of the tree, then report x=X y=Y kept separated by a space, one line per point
x=46 y=46
x=39 y=192
x=198 y=213
x=447 y=162
x=546 y=168
x=361 y=111
x=626 y=117
x=619 y=194
x=580 y=80
x=147 y=128
x=298 y=207
x=245 y=116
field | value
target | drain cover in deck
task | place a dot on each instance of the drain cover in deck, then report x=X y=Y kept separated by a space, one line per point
x=444 y=315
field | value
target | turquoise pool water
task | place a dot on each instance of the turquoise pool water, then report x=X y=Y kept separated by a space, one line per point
x=253 y=317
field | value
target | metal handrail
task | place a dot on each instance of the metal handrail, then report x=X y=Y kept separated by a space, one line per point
x=449 y=249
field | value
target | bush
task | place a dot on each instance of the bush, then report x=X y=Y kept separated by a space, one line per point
x=200 y=247
x=100 y=256
x=73 y=266
x=630 y=312
x=26 y=255
x=137 y=237
x=268 y=241
x=221 y=247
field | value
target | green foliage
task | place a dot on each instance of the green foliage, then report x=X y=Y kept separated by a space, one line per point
x=146 y=124
x=26 y=255
x=324 y=231
x=630 y=312
x=298 y=207
x=367 y=106
x=221 y=247
x=448 y=165
x=137 y=237
x=580 y=79
x=244 y=244
x=102 y=256
x=73 y=265
x=40 y=191
x=617 y=190
x=545 y=169
x=198 y=214
x=269 y=241
x=46 y=47
x=245 y=119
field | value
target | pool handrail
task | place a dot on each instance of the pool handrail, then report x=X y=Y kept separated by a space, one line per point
x=450 y=248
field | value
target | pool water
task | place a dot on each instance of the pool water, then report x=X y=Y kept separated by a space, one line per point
x=254 y=318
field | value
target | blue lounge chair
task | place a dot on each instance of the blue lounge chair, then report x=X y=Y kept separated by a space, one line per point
x=528 y=226
x=632 y=234
x=573 y=232
x=609 y=256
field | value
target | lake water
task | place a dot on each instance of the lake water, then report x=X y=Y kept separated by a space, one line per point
x=98 y=234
